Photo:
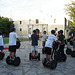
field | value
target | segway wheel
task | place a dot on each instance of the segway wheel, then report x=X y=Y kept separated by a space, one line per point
x=73 y=53
x=8 y=60
x=43 y=50
x=39 y=56
x=17 y=61
x=30 y=56
x=53 y=64
x=56 y=57
x=44 y=61
x=2 y=55
x=68 y=51
x=64 y=58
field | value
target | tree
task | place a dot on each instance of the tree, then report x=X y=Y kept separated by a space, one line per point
x=70 y=11
x=5 y=25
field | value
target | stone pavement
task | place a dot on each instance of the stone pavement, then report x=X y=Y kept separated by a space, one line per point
x=35 y=67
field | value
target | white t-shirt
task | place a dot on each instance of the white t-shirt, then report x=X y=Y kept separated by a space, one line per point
x=12 y=38
x=50 y=40
x=44 y=36
x=1 y=40
x=29 y=35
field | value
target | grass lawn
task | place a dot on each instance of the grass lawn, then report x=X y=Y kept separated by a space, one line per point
x=6 y=40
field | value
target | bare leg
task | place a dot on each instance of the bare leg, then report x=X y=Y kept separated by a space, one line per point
x=49 y=58
x=46 y=57
x=13 y=55
x=10 y=54
x=32 y=53
x=36 y=53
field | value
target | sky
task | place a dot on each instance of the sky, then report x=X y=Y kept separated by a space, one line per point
x=32 y=9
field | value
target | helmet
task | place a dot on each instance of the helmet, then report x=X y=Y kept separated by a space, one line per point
x=61 y=31
x=70 y=33
x=52 y=31
x=34 y=31
x=13 y=29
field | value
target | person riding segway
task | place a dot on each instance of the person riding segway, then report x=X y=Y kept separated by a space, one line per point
x=2 y=54
x=68 y=51
x=61 y=55
x=49 y=61
x=34 y=54
x=12 y=59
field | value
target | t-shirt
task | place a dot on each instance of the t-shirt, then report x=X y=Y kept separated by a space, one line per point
x=44 y=36
x=1 y=40
x=50 y=40
x=12 y=38
x=35 y=39
x=29 y=35
x=61 y=38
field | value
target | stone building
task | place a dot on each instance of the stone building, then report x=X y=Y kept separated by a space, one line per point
x=24 y=27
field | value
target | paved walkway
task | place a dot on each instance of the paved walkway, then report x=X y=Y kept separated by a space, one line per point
x=28 y=67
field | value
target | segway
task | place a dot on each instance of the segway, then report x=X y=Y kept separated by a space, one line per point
x=2 y=54
x=34 y=57
x=73 y=53
x=16 y=61
x=53 y=63
x=18 y=44
x=61 y=57
x=68 y=51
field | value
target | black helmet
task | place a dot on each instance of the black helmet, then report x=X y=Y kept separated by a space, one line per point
x=70 y=33
x=61 y=31
x=34 y=31
x=52 y=31
x=13 y=29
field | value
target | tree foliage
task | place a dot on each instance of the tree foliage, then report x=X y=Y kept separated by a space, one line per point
x=70 y=11
x=5 y=25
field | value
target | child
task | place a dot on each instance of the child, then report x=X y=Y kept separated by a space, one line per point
x=44 y=37
x=48 y=45
x=61 y=38
x=1 y=42
x=69 y=39
x=35 y=39
x=12 y=43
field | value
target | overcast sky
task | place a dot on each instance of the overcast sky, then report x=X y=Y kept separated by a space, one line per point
x=22 y=9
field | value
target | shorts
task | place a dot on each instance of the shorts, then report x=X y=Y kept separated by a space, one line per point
x=48 y=50
x=34 y=48
x=43 y=43
x=12 y=48
x=1 y=47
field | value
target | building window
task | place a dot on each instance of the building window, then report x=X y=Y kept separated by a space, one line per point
x=20 y=22
x=37 y=21
x=20 y=29
x=54 y=20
